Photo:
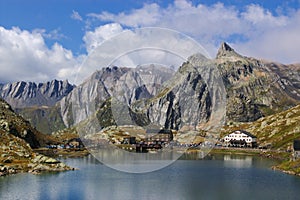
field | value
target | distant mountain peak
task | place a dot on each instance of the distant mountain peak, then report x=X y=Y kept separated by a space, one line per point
x=226 y=51
x=226 y=47
x=25 y=94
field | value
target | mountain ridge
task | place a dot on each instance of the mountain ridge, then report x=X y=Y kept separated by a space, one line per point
x=25 y=94
x=255 y=88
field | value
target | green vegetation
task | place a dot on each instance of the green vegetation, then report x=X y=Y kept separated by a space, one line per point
x=235 y=151
x=279 y=129
x=44 y=119
x=290 y=167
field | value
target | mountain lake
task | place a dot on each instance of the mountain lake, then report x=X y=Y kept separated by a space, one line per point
x=217 y=177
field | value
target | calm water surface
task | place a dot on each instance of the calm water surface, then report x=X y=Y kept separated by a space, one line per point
x=222 y=177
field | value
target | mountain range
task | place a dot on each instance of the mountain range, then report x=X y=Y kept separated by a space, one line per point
x=254 y=88
x=26 y=94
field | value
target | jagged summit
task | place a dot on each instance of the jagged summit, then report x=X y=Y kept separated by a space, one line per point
x=24 y=94
x=226 y=47
x=226 y=51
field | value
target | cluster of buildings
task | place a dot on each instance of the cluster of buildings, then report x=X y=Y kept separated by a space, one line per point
x=154 y=139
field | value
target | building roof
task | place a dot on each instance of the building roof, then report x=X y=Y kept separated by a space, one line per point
x=246 y=133
x=159 y=131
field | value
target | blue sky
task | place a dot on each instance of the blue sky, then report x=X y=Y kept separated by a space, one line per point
x=54 y=36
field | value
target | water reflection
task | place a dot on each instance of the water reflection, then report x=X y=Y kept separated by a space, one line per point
x=135 y=162
x=235 y=161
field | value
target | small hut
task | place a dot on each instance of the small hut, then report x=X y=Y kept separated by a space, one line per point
x=296 y=148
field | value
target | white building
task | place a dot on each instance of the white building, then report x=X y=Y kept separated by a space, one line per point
x=240 y=139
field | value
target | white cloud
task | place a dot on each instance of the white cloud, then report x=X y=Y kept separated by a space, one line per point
x=212 y=24
x=76 y=16
x=277 y=44
x=53 y=35
x=25 y=56
x=257 y=14
x=145 y=16
x=137 y=47
x=93 y=38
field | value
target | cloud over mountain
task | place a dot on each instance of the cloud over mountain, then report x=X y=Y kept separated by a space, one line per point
x=25 y=56
x=253 y=29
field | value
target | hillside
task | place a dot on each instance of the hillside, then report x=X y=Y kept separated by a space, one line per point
x=19 y=127
x=43 y=118
x=17 y=138
x=277 y=131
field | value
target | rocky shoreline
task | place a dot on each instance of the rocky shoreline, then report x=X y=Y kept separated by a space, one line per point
x=290 y=172
x=291 y=167
x=36 y=164
x=70 y=153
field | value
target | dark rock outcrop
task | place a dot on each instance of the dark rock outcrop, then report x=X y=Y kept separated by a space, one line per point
x=226 y=51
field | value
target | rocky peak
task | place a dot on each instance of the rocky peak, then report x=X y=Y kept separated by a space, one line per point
x=226 y=51
x=55 y=88
x=24 y=94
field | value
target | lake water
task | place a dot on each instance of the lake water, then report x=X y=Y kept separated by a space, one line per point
x=220 y=177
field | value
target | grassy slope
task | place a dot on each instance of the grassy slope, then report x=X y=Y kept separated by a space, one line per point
x=279 y=129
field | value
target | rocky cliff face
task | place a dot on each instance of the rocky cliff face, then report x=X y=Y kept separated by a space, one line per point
x=256 y=88
x=190 y=97
x=36 y=102
x=25 y=94
x=124 y=84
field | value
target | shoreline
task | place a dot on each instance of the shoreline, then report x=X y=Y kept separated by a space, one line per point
x=35 y=164
x=282 y=157
x=285 y=165
x=69 y=153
